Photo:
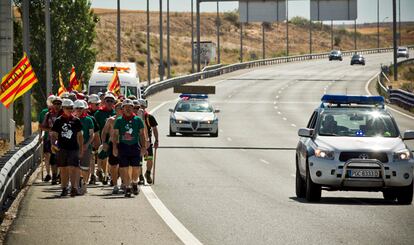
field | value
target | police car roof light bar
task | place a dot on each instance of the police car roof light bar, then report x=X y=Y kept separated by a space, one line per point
x=193 y=96
x=353 y=99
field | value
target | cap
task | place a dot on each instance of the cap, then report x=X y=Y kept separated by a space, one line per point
x=57 y=98
x=127 y=102
x=79 y=104
x=94 y=99
x=67 y=103
x=50 y=99
x=143 y=103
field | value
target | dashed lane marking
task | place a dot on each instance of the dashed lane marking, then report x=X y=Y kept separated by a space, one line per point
x=293 y=125
x=264 y=161
x=229 y=139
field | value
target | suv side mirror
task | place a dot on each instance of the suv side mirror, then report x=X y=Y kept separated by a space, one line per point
x=170 y=110
x=408 y=135
x=305 y=132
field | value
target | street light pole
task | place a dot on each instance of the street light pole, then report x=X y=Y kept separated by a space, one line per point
x=118 y=31
x=192 y=36
x=148 y=46
x=241 y=42
x=27 y=115
x=310 y=37
x=218 y=33
x=161 y=66
x=168 y=41
x=355 y=35
x=263 y=41
x=198 y=37
x=332 y=42
x=399 y=22
x=394 y=34
x=378 y=37
x=287 y=27
x=49 y=88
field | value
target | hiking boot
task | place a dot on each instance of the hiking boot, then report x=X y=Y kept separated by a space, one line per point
x=83 y=189
x=64 y=192
x=92 y=181
x=128 y=192
x=105 y=180
x=99 y=173
x=115 y=190
x=47 y=178
x=73 y=192
x=141 y=180
x=148 y=177
x=135 y=189
x=54 y=180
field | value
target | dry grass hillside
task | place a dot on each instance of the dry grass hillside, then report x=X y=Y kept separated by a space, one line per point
x=133 y=38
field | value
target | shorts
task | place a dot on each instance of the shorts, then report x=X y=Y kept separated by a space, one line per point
x=112 y=160
x=85 y=160
x=67 y=158
x=47 y=146
x=129 y=155
x=150 y=155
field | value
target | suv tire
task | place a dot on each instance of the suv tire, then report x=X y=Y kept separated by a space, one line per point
x=389 y=194
x=405 y=194
x=313 y=191
x=300 y=184
x=214 y=134
x=172 y=133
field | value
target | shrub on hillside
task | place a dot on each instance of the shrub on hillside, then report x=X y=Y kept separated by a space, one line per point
x=232 y=17
x=409 y=75
x=299 y=21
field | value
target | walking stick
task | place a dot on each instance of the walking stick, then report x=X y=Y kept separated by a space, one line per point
x=153 y=172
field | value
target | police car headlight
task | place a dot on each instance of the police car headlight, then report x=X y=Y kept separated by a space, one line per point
x=325 y=154
x=179 y=121
x=402 y=155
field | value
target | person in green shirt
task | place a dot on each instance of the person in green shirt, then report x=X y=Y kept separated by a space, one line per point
x=81 y=107
x=128 y=137
x=101 y=115
x=46 y=141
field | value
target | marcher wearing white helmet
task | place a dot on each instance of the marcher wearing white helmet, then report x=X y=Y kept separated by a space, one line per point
x=93 y=105
x=127 y=138
x=88 y=135
x=67 y=139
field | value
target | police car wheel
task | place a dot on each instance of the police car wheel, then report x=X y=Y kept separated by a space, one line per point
x=313 y=191
x=172 y=133
x=214 y=134
x=389 y=194
x=300 y=185
x=405 y=195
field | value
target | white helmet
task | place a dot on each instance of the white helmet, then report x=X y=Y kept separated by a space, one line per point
x=50 y=99
x=79 y=104
x=85 y=104
x=94 y=99
x=143 y=103
x=109 y=95
x=127 y=102
x=67 y=103
x=65 y=95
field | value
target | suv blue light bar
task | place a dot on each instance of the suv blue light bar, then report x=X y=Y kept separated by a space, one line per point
x=353 y=99
x=194 y=96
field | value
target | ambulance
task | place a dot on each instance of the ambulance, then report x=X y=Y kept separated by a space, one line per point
x=102 y=74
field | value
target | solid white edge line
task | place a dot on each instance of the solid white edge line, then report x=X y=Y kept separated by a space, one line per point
x=175 y=225
x=388 y=107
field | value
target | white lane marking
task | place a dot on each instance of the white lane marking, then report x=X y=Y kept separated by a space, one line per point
x=277 y=97
x=161 y=105
x=293 y=175
x=279 y=112
x=275 y=107
x=264 y=161
x=175 y=225
x=293 y=125
x=280 y=92
x=229 y=96
x=388 y=107
x=229 y=139
x=274 y=102
x=284 y=118
x=221 y=130
x=242 y=149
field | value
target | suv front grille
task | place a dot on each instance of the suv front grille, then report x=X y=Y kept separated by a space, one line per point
x=381 y=156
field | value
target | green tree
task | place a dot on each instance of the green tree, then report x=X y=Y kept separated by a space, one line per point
x=72 y=33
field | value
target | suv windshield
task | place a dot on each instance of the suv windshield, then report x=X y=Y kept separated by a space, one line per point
x=193 y=106
x=357 y=123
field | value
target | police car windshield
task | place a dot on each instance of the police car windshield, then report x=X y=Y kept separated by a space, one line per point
x=357 y=123
x=193 y=106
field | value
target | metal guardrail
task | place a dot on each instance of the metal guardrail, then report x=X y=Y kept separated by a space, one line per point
x=400 y=97
x=169 y=83
x=16 y=167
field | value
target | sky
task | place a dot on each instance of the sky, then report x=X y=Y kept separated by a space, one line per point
x=367 y=9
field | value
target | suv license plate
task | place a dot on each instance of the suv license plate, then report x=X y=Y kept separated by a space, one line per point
x=364 y=173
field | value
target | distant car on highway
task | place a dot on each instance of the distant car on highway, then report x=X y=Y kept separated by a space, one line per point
x=357 y=59
x=403 y=52
x=335 y=55
x=193 y=114
x=353 y=143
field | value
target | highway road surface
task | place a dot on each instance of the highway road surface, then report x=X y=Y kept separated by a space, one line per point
x=238 y=188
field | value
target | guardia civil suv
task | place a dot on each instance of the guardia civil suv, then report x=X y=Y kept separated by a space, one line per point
x=353 y=143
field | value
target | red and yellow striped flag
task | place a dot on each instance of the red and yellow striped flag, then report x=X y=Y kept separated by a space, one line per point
x=114 y=85
x=62 y=88
x=17 y=82
x=74 y=83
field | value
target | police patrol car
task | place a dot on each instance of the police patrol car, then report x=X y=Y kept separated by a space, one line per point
x=193 y=114
x=353 y=143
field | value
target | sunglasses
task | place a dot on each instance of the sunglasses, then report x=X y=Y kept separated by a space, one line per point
x=110 y=101
x=57 y=103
